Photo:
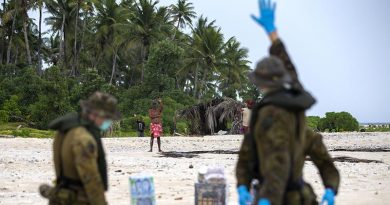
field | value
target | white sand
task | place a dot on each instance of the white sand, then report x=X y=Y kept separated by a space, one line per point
x=26 y=163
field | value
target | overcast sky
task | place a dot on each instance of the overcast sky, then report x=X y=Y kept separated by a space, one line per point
x=340 y=48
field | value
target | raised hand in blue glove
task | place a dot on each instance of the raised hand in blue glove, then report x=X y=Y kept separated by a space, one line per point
x=244 y=197
x=267 y=15
x=328 y=197
x=264 y=202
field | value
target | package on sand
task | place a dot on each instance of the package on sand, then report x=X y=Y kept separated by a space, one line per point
x=211 y=188
x=142 y=189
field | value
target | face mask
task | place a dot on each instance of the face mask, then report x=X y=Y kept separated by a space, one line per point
x=105 y=125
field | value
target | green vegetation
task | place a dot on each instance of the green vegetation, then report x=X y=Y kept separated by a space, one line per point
x=333 y=122
x=135 y=50
x=21 y=130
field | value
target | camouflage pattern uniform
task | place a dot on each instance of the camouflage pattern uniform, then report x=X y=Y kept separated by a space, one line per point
x=274 y=151
x=79 y=157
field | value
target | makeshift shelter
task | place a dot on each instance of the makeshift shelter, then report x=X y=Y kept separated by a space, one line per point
x=210 y=117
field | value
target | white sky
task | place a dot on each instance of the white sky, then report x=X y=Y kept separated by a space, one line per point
x=340 y=48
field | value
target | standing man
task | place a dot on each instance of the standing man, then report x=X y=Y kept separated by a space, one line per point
x=79 y=158
x=155 y=113
x=140 y=127
x=246 y=114
x=274 y=150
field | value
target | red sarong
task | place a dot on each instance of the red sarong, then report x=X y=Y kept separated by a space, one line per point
x=156 y=129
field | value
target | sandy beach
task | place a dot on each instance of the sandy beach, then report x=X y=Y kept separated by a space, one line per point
x=362 y=158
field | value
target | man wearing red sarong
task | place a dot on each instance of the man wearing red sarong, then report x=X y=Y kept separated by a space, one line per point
x=155 y=113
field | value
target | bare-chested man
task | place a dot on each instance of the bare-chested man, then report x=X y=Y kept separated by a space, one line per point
x=155 y=113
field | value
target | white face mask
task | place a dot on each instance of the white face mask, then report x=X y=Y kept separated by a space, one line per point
x=105 y=125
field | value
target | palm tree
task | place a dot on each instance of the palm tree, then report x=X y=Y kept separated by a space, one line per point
x=25 y=8
x=61 y=24
x=235 y=68
x=39 y=4
x=149 y=23
x=182 y=14
x=2 y=32
x=77 y=8
x=111 y=22
x=206 y=55
x=11 y=14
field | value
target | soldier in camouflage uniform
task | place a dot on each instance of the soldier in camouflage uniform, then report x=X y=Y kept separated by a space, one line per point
x=274 y=150
x=79 y=157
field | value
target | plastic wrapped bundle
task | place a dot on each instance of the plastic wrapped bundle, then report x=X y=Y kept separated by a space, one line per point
x=211 y=188
x=142 y=189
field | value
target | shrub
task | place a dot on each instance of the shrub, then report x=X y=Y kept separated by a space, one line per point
x=4 y=116
x=338 y=122
x=182 y=128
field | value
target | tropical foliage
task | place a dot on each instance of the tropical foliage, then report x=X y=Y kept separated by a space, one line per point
x=334 y=122
x=136 y=50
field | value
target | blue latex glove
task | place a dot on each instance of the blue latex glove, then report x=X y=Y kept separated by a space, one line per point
x=267 y=15
x=244 y=197
x=264 y=202
x=328 y=197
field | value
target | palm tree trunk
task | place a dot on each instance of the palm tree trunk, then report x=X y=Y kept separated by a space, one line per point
x=82 y=36
x=143 y=54
x=39 y=68
x=62 y=50
x=74 y=68
x=16 y=55
x=25 y=30
x=2 y=39
x=113 y=67
x=177 y=28
x=203 y=85
x=196 y=79
x=11 y=36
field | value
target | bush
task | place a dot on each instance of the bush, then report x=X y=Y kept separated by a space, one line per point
x=21 y=133
x=3 y=116
x=182 y=128
x=338 y=122
x=313 y=122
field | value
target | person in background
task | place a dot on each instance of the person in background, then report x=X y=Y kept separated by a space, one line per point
x=278 y=142
x=140 y=127
x=155 y=114
x=246 y=114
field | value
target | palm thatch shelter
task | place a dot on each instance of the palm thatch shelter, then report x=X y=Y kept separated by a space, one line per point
x=210 y=117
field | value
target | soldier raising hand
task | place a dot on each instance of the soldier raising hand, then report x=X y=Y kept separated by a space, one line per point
x=274 y=150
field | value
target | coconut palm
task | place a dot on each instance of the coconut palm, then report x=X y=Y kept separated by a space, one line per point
x=111 y=22
x=182 y=14
x=208 y=45
x=194 y=61
x=24 y=8
x=39 y=4
x=61 y=21
x=234 y=69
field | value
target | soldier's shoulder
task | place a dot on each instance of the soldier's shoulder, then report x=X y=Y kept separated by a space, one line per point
x=81 y=135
